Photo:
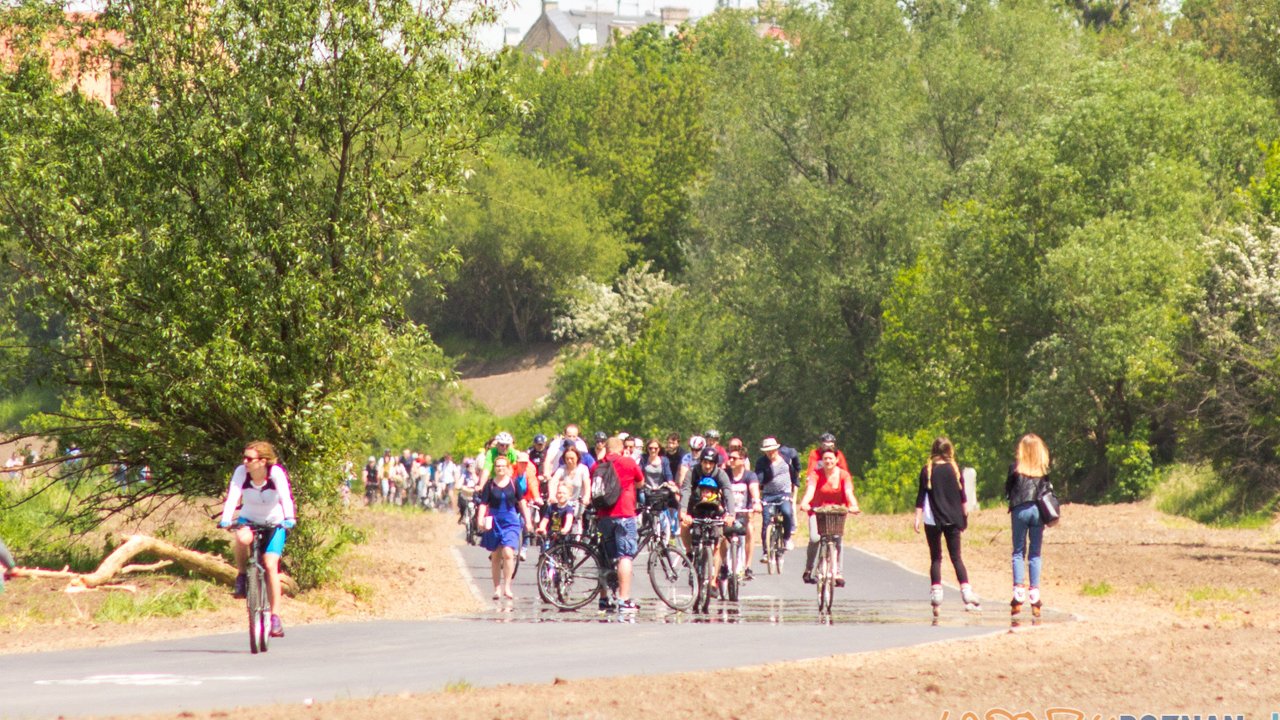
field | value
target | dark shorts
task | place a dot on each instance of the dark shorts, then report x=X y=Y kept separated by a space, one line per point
x=620 y=537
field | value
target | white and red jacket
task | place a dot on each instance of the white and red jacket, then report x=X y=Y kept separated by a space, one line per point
x=268 y=504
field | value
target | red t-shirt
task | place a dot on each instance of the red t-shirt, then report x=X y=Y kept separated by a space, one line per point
x=630 y=478
x=828 y=494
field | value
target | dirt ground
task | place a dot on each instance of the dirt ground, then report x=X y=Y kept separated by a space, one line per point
x=1174 y=618
x=508 y=386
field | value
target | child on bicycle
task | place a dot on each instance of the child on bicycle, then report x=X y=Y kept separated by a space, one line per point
x=558 y=520
x=259 y=493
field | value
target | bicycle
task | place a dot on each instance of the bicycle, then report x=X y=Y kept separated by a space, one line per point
x=735 y=559
x=830 y=521
x=573 y=571
x=705 y=534
x=469 y=515
x=775 y=547
x=257 y=590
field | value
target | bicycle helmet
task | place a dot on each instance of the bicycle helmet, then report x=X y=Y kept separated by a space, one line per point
x=712 y=434
x=709 y=455
x=708 y=483
x=503 y=438
x=696 y=443
x=601 y=437
x=539 y=439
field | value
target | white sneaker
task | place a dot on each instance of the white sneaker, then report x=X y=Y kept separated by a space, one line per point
x=935 y=595
x=791 y=545
x=969 y=597
x=523 y=556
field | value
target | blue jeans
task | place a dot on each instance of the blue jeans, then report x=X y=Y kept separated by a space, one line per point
x=787 y=512
x=1026 y=520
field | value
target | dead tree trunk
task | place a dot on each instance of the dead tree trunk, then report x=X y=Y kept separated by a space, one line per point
x=116 y=563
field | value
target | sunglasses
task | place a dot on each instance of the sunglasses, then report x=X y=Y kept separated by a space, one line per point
x=250 y=459
x=654 y=448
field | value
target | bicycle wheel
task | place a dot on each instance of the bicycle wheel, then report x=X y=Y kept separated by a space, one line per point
x=733 y=558
x=826 y=577
x=673 y=577
x=772 y=549
x=569 y=575
x=259 y=612
x=705 y=581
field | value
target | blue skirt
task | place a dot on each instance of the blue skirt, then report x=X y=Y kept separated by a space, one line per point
x=506 y=532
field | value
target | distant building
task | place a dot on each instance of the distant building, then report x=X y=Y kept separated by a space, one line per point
x=557 y=29
x=73 y=66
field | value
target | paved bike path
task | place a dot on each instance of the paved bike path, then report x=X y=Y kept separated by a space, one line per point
x=777 y=621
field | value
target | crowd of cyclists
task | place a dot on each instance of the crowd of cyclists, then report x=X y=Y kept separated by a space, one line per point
x=512 y=498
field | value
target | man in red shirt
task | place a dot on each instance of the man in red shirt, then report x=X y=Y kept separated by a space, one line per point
x=618 y=524
x=826 y=442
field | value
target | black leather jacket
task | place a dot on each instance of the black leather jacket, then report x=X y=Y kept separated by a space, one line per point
x=1021 y=489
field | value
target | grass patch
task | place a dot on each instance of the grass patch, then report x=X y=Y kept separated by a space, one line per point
x=1219 y=594
x=127 y=607
x=458 y=686
x=1098 y=589
x=1199 y=493
x=360 y=591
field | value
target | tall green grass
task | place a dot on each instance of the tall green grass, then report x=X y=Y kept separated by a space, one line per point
x=1199 y=493
x=31 y=527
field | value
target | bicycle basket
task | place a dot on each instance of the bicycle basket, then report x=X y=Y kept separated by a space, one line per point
x=830 y=523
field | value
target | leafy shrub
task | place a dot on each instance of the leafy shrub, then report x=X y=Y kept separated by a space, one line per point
x=890 y=485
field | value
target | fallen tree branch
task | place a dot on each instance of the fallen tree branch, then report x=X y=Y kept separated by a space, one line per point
x=210 y=566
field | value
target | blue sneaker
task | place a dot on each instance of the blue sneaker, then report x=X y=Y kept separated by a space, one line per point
x=606 y=605
x=277 y=627
x=241 y=589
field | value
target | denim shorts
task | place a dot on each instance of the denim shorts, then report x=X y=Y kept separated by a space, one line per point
x=620 y=537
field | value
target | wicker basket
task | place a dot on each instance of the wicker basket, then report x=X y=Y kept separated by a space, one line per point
x=830 y=522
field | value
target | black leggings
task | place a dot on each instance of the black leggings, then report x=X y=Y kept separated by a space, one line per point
x=934 y=534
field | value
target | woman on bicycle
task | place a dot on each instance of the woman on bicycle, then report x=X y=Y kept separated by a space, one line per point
x=832 y=486
x=501 y=514
x=940 y=504
x=259 y=494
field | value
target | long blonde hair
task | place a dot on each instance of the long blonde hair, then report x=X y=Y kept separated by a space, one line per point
x=1031 y=456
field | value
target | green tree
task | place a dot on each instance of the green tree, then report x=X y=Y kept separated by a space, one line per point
x=223 y=244
x=527 y=235
x=1070 y=271
x=809 y=210
x=630 y=118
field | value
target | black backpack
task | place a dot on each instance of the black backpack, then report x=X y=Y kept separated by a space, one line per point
x=605 y=486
